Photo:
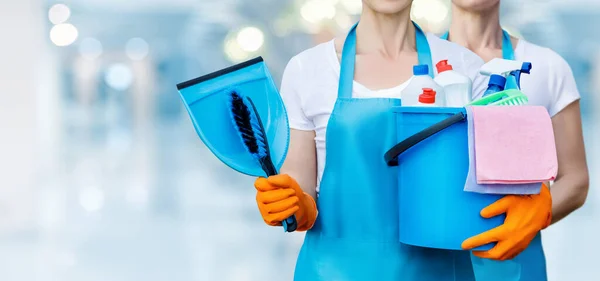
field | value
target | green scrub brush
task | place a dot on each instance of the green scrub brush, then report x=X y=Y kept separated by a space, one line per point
x=506 y=97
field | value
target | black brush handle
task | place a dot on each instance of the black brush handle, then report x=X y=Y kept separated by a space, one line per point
x=290 y=224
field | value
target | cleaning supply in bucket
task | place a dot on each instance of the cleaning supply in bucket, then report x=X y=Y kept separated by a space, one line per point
x=496 y=84
x=505 y=68
x=514 y=145
x=511 y=71
x=247 y=123
x=419 y=80
x=471 y=184
x=506 y=97
x=427 y=98
x=513 y=80
x=457 y=87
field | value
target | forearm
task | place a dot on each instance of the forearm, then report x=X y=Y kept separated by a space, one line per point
x=301 y=161
x=570 y=188
x=568 y=194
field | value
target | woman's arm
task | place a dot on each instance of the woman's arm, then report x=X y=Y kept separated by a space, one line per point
x=570 y=188
x=301 y=160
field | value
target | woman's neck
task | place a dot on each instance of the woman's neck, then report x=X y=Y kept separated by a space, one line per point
x=386 y=34
x=476 y=30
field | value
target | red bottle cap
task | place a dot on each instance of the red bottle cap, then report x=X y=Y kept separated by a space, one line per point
x=428 y=96
x=429 y=91
x=443 y=66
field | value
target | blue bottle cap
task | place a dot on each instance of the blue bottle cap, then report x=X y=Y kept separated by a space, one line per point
x=421 y=69
x=497 y=80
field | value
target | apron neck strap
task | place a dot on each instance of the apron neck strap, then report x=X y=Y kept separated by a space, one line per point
x=349 y=58
x=507 y=48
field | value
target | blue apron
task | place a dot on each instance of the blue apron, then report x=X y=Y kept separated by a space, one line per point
x=532 y=261
x=355 y=237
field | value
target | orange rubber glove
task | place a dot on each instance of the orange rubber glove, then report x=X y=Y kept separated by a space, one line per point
x=526 y=215
x=278 y=197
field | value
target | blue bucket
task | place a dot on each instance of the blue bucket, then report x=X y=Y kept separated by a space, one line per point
x=433 y=161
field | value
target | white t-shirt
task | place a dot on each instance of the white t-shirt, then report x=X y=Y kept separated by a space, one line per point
x=551 y=83
x=310 y=84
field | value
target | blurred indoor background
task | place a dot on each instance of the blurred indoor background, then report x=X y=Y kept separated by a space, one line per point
x=103 y=176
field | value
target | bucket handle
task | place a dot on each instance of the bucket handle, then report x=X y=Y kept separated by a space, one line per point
x=391 y=156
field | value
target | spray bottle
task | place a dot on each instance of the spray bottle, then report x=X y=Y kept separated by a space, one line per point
x=510 y=69
x=496 y=84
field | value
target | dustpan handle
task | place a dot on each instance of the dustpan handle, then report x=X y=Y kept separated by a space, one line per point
x=391 y=156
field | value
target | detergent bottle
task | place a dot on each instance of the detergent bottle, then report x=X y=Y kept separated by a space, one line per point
x=419 y=80
x=457 y=87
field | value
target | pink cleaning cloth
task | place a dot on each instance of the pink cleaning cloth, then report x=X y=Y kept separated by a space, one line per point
x=514 y=144
x=471 y=184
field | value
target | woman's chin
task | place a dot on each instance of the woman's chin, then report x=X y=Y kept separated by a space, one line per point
x=387 y=6
x=476 y=5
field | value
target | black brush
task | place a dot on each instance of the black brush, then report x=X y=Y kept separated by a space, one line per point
x=249 y=127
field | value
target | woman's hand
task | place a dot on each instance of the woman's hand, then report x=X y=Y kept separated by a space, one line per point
x=292 y=192
x=279 y=197
x=526 y=215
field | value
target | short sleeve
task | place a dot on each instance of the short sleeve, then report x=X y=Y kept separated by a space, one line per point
x=562 y=85
x=291 y=92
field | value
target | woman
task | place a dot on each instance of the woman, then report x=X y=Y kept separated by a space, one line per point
x=476 y=25
x=339 y=97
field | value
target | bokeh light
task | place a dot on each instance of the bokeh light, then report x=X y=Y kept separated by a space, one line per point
x=137 y=48
x=314 y=11
x=343 y=21
x=63 y=34
x=353 y=7
x=250 y=39
x=90 y=48
x=59 y=13
x=119 y=77
x=138 y=196
x=91 y=198
x=234 y=51
x=434 y=14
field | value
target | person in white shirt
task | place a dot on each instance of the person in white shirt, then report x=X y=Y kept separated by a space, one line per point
x=310 y=84
x=476 y=25
x=339 y=98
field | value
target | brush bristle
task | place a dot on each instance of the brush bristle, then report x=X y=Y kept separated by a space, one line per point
x=247 y=125
x=513 y=101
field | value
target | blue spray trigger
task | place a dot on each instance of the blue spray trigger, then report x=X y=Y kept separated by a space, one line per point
x=526 y=67
x=513 y=80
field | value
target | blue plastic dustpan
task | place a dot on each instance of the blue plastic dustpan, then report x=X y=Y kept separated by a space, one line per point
x=206 y=100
